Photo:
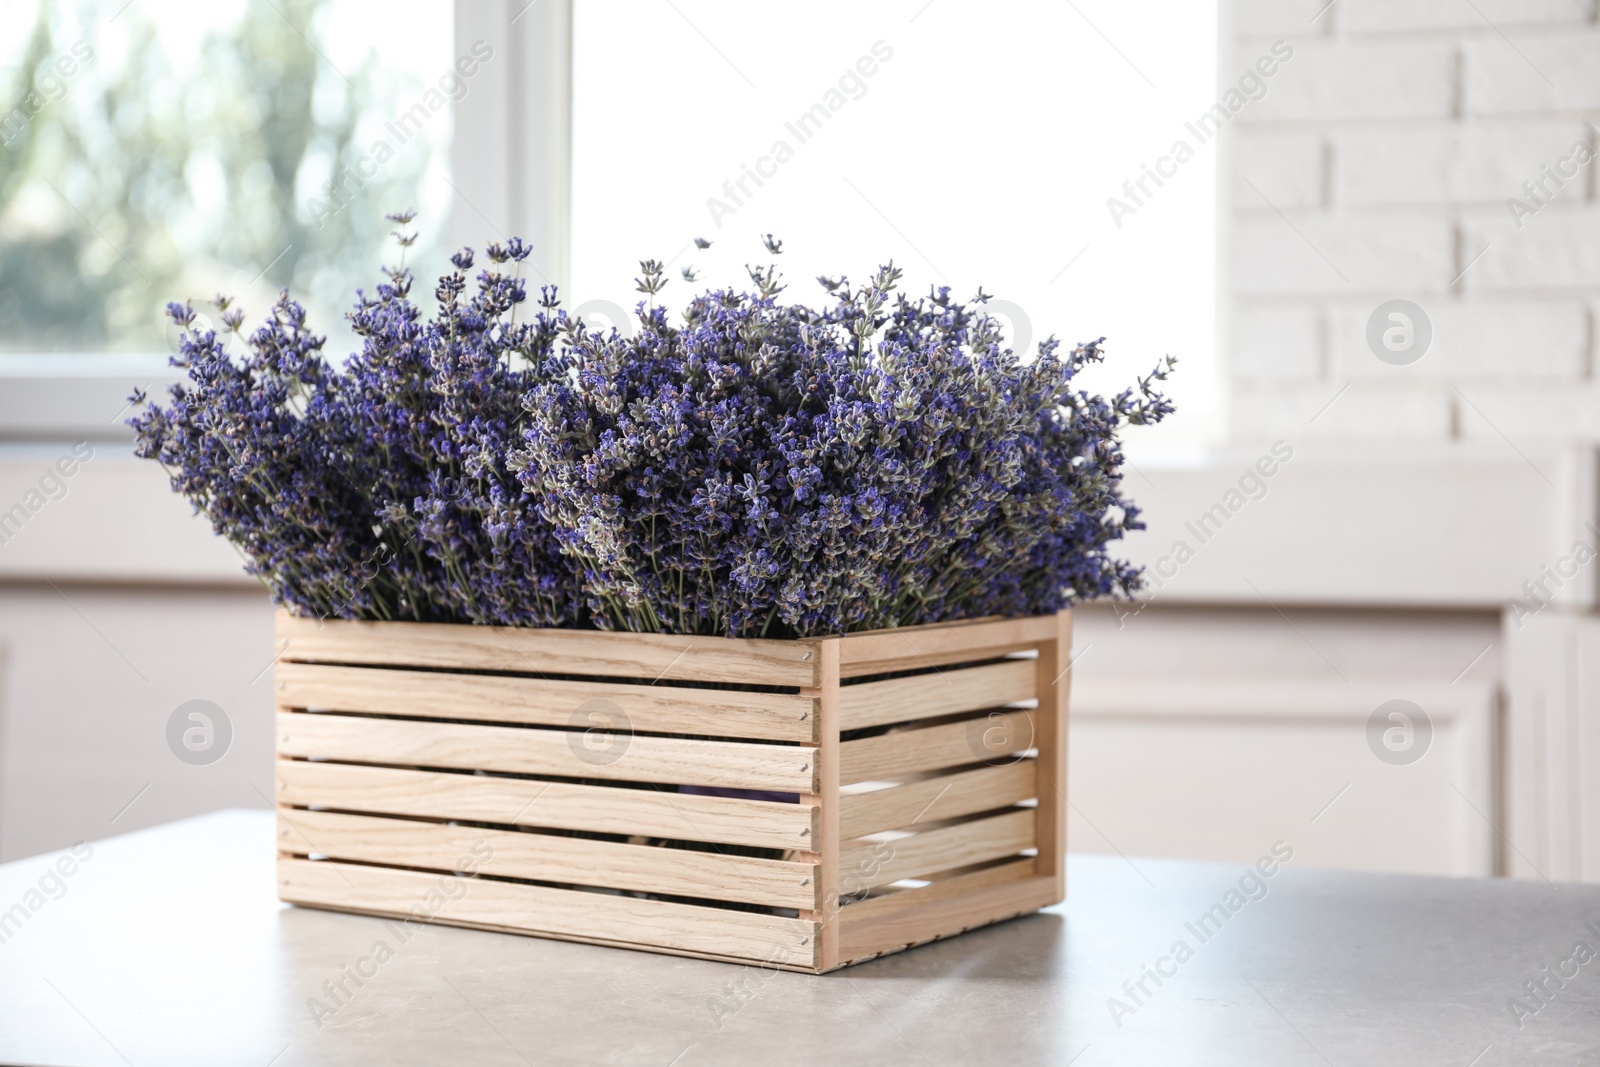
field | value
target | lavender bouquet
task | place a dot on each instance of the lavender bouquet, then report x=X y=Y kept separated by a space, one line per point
x=749 y=468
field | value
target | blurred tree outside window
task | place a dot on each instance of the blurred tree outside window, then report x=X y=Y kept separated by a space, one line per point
x=174 y=150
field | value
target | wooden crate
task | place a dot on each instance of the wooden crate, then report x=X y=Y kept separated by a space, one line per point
x=794 y=804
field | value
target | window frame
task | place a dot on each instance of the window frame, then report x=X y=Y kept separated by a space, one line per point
x=511 y=162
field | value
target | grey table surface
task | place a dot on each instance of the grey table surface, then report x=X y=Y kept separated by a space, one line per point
x=168 y=946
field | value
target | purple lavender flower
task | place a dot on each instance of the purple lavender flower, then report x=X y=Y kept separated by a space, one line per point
x=755 y=468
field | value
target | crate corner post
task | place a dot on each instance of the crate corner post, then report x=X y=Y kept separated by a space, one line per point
x=1054 y=686
x=826 y=801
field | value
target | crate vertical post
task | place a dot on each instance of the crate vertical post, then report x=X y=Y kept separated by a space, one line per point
x=826 y=799
x=1054 y=686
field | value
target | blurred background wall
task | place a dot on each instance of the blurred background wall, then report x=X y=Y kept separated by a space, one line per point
x=1431 y=539
x=1338 y=522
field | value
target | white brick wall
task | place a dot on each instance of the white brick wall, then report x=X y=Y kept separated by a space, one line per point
x=1277 y=343
x=1287 y=168
x=1377 y=16
x=1392 y=159
x=1273 y=18
x=1460 y=164
x=1345 y=79
x=1341 y=254
x=1296 y=412
x=1525 y=413
x=1533 y=73
x=1555 y=249
x=1521 y=341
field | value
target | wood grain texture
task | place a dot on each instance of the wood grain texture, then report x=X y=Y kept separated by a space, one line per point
x=538 y=701
x=955 y=913
x=652 y=657
x=913 y=647
x=549 y=858
x=619 y=757
x=420 y=770
x=930 y=748
x=876 y=863
x=1054 y=685
x=886 y=902
x=922 y=696
x=566 y=913
x=931 y=800
x=554 y=805
x=826 y=800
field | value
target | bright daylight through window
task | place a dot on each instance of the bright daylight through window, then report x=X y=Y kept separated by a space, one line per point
x=852 y=135
x=150 y=154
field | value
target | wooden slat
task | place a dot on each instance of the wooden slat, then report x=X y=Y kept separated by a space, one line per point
x=881 y=862
x=660 y=657
x=882 y=651
x=887 y=902
x=933 y=799
x=681 y=761
x=941 y=917
x=930 y=748
x=922 y=696
x=540 y=701
x=554 y=805
x=1054 y=686
x=827 y=802
x=549 y=858
x=566 y=913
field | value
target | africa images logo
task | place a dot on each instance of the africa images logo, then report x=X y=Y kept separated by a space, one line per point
x=199 y=732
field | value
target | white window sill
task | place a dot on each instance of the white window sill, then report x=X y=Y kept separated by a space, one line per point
x=72 y=396
x=113 y=519
x=1461 y=527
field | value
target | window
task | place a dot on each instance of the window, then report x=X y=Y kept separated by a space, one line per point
x=973 y=146
x=157 y=152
